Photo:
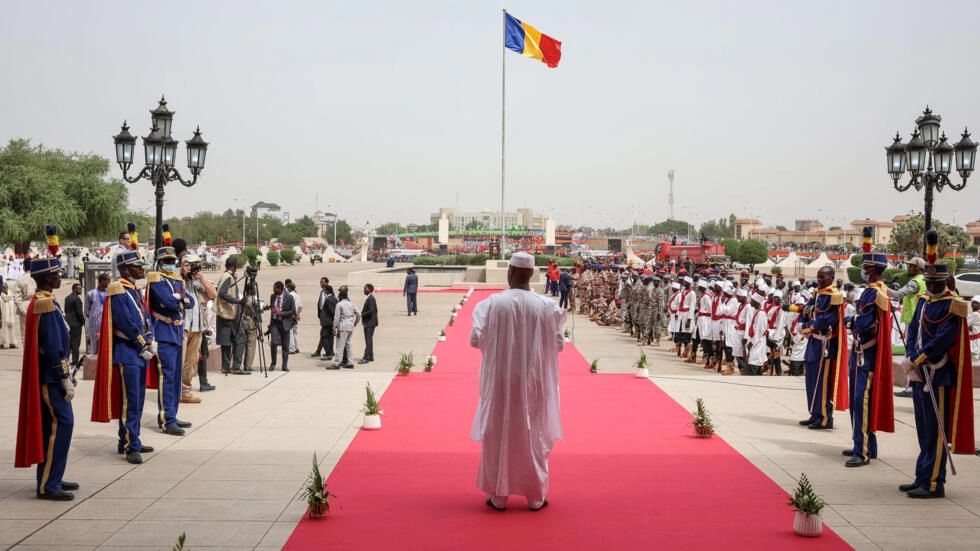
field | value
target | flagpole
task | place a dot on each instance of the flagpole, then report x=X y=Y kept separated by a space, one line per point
x=503 y=124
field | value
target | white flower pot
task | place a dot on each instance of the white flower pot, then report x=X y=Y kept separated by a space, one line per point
x=454 y=315
x=642 y=373
x=809 y=526
x=434 y=359
x=442 y=338
x=371 y=422
x=568 y=339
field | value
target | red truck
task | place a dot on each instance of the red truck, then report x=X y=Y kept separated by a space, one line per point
x=700 y=255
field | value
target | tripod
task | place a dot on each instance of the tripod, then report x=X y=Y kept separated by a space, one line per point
x=250 y=301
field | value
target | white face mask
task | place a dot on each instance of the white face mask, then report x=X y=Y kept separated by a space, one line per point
x=170 y=268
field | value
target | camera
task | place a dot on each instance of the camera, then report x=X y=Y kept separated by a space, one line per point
x=195 y=267
x=251 y=271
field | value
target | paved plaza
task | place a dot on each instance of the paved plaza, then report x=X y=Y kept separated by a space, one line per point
x=233 y=481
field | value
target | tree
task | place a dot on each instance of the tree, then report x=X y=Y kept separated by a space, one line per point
x=719 y=229
x=473 y=225
x=670 y=227
x=781 y=228
x=908 y=237
x=752 y=251
x=49 y=186
x=273 y=257
x=732 y=248
x=287 y=255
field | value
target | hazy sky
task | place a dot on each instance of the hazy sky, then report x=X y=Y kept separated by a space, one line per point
x=386 y=110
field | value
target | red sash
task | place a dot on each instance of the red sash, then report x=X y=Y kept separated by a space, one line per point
x=30 y=438
x=107 y=394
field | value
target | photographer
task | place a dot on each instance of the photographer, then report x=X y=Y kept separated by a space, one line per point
x=251 y=321
x=227 y=308
x=195 y=324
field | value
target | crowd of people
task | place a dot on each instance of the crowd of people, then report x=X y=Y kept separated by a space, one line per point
x=839 y=336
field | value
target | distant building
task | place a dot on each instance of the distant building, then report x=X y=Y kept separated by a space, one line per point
x=262 y=208
x=813 y=232
x=973 y=230
x=491 y=218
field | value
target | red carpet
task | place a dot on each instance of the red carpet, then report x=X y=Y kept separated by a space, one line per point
x=628 y=475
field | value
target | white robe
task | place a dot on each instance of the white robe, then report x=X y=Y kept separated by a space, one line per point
x=733 y=337
x=685 y=319
x=705 y=328
x=973 y=324
x=673 y=304
x=519 y=335
x=759 y=352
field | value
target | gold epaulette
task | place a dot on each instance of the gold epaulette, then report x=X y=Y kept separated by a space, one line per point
x=154 y=277
x=43 y=305
x=881 y=299
x=960 y=307
x=836 y=299
x=115 y=288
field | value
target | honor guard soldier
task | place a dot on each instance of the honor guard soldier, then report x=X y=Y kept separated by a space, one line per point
x=45 y=419
x=167 y=300
x=941 y=375
x=870 y=365
x=826 y=353
x=120 y=380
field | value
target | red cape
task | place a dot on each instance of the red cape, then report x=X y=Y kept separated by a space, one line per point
x=959 y=425
x=841 y=398
x=882 y=416
x=107 y=395
x=30 y=444
x=152 y=372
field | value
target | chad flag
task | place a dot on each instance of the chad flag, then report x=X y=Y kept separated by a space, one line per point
x=525 y=39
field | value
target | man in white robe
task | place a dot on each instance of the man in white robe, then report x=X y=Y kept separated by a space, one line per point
x=756 y=332
x=519 y=335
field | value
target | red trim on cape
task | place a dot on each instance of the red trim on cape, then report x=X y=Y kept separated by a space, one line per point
x=959 y=425
x=30 y=438
x=152 y=373
x=107 y=394
x=841 y=399
x=882 y=415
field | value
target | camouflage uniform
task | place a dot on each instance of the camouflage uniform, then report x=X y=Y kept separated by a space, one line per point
x=658 y=318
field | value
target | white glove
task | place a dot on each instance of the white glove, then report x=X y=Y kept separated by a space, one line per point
x=154 y=347
x=146 y=353
x=177 y=296
x=69 y=388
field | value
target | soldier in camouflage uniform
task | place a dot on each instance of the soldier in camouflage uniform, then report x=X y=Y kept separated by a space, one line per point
x=643 y=311
x=657 y=312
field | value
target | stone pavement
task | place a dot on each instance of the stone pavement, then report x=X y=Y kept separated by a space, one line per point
x=233 y=481
x=758 y=417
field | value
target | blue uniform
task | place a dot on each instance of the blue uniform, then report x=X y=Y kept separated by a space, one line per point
x=932 y=332
x=130 y=334
x=861 y=370
x=57 y=417
x=167 y=303
x=820 y=359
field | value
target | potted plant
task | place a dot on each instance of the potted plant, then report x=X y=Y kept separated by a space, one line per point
x=703 y=427
x=430 y=362
x=641 y=366
x=808 y=505
x=316 y=494
x=442 y=335
x=406 y=363
x=594 y=366
x=452 y=320
x=568 y=335
x=181 y=540
x=372 y=414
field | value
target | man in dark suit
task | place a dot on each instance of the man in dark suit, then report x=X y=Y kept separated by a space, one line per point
x=281 y=321
x=411 y=291
x=564 y=286
x=325 y=306
x=75 y=316
x=369 y=317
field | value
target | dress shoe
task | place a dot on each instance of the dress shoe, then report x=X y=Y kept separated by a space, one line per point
x=847 y=453
x=907 y=487
x=189 y=399
x=818 y=426
x=134 y=457
x=364 y=362
x=494 y=507
x=206 y=387
x=315 y=355
x=57 y=496
x=348 y=366
x=326 y=357
x=856 y=462
x=542 y=506
x=174 y=431
x=805 y=423
x=184 y=424
x=240 y=372
x=904 y=393
x=922 y=493
x=271 y=367
x=332 y=367
x=69 y=486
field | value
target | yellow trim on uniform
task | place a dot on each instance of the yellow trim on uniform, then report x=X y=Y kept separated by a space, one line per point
x=125 y=406
x=864 y=416
x=823 y=395
x=115 y=288
x=154 y=277
x=836 y=299
x=960 y=308
x=161 y=406
x=964 y=350
x=54 y=433
x=938 y=461
x=43 y=303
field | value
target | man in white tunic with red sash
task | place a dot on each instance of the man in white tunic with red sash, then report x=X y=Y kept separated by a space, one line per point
x=519 y=334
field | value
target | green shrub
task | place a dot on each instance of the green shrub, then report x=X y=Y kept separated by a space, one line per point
x=252 y=253
x=895 y=275
x=272 y=257
x=776 y=270
x=542 y=260
x=287 y=255
x=960 y=261
x=241 y=259
x=857 y=260
x=854 y=275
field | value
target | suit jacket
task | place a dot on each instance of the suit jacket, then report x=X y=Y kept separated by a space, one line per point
x=288 y=311
x=325 y=312
x=369 y=312
x=74 y=314
x=564 y=282
x=411 y=283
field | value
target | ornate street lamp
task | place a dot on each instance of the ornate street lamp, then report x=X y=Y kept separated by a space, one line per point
x=929 y=160
x=160 y=156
